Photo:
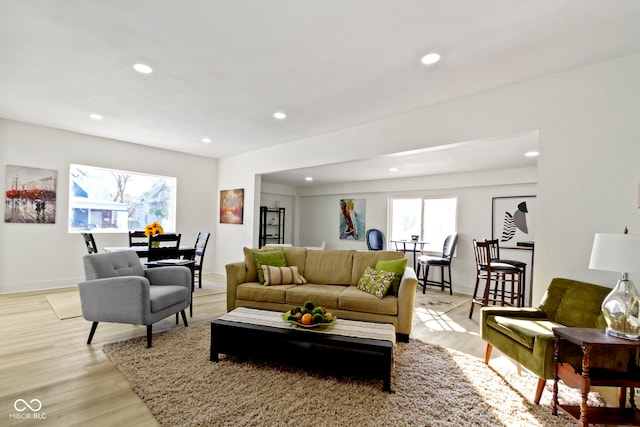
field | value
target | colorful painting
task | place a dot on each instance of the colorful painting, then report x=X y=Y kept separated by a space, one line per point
x=231 y=206
x=352 y=214
x=514 y=220
x=30 y=195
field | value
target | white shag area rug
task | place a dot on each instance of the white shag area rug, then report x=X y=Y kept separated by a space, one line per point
x=431 y=386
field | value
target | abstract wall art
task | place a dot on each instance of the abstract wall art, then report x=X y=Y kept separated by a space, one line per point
x=513 y=220
x=232 y=206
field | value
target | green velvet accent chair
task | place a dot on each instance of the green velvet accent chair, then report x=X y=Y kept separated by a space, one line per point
x=525 y=334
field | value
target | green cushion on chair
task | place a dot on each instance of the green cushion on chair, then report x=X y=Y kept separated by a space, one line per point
x=523 y=330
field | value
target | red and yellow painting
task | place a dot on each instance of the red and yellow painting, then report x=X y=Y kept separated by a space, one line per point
x=231 y=206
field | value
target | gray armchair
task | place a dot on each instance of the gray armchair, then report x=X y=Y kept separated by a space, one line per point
x=118 y=289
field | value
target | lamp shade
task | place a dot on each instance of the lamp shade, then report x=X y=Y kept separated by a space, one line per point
x=616 y=252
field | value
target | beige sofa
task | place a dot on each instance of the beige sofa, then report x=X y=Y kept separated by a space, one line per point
x=332 y=277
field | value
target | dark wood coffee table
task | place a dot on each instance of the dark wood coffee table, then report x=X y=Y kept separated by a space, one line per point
x=348 y=346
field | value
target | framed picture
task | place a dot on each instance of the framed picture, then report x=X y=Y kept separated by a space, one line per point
x=514 y=220
x=352 y=213
x=232 y=206
x=30 y=195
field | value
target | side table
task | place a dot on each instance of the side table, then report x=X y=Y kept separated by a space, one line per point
x=587 y=339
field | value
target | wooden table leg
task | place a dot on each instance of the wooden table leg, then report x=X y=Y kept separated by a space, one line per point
x=586 y=362
x=554 y=400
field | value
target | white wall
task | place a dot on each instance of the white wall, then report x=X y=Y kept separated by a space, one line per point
x=41 y=256
x=587 y=172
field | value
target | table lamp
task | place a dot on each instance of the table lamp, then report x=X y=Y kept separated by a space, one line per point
x=621 y=253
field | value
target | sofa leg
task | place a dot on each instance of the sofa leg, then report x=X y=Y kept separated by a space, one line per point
x=184 y=318
x=539 y=389
x=402 y=337
x=149 y=336
x=93 y=331
x=487 y=354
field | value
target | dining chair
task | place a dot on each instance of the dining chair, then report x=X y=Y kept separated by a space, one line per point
x=201 y=245
x=375 y=239
x=505 y=278
x=444 y=262
x=138 y=238
x=164 y=246
x=90 y=242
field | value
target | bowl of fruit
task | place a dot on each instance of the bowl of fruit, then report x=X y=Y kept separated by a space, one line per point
x=309 y=316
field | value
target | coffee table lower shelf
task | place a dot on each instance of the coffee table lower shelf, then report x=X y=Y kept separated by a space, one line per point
x=300 y=347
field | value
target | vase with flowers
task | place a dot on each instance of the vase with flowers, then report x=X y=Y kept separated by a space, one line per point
x=153 y=229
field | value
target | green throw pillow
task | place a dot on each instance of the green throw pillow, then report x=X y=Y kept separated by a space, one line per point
x=273 y=258
x=396 y=266
x=375 y=282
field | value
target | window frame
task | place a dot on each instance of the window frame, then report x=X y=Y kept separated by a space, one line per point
x=110 y=212
x=435 y=246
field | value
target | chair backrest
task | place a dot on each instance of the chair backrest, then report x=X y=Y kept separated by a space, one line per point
x=449 y=246
x=112 y=264
x=164 y=246
x=482 y=252
x=90 y=242
x=574 y=303
x=375 y=239
x=201 y=245
x=138 y=238
x=494 y=248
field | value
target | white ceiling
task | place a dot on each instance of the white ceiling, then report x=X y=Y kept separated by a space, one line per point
x=222 y=68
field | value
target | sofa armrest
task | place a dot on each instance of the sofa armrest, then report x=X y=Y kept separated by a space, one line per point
x=236 y=275
x=122 y=299
x=169 y=276
x=406 y=300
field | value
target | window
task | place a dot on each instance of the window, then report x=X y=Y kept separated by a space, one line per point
x=114 y=201
x=433 y=219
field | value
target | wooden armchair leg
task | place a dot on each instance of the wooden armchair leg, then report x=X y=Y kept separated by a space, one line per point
x=487 y=354
x=93 y=331
x=539 y=389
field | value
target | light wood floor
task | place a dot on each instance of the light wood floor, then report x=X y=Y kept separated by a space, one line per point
x=44 y=358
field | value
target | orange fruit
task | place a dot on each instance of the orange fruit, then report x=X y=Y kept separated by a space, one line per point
x=306 y=319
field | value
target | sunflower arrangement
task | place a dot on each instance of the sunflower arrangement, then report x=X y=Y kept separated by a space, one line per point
x=153 y=229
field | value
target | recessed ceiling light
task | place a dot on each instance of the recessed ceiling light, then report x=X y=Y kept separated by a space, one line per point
x=206 y=140
x=279 y=115
x=430 y=58
x=531 y=153
x=143 y=68
x=96 y=116
x=393 y=169
x=309 y=178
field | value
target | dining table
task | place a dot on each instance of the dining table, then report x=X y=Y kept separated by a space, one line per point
x=187 y=252
x=413 y=247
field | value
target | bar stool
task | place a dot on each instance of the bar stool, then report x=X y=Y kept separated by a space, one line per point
x=505 y=278
x=495 y=257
